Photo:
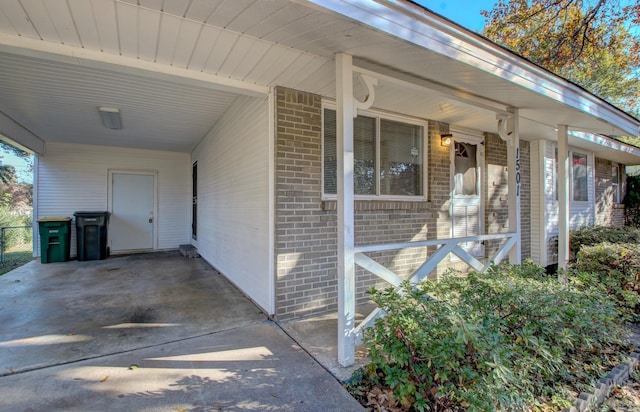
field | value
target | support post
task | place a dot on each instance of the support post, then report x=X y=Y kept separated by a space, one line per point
x=346 y=261
x=514 y=176
x=563 y=196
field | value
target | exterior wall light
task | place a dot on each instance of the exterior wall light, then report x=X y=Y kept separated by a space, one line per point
x=445 y=139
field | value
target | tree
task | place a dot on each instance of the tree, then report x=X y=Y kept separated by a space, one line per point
x=590 y=42
x=14 y=194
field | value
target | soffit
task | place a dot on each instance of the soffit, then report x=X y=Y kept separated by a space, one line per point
x=253 y=42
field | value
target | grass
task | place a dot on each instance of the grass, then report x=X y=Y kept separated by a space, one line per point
x=15 y=258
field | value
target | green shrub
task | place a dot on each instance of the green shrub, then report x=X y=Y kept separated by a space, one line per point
x=616 y=269
x=589 y=236
x=13 y=237
x=508 y=339
x=632 y=202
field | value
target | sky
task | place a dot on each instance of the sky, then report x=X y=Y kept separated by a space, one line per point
x=463 y=12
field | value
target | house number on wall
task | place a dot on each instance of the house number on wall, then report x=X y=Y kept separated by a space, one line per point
x=517 y=171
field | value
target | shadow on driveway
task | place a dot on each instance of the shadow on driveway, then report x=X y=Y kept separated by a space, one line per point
x=153 y=332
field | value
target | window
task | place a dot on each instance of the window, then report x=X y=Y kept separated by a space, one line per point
x=580 y=187
x=615 y=182
x=388 y=156
x=578 y=175
x=465 y=178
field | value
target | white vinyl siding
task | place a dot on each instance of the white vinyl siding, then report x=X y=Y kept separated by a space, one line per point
x=544 y=170
x=538 y=201
x=74 y=177
x=233 y=198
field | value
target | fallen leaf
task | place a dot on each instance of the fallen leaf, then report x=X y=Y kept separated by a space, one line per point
x=133 y=366
x=273 y=394
x=104 y=379
x=179 y=409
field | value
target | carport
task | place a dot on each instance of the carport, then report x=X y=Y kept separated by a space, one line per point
x=147 y=332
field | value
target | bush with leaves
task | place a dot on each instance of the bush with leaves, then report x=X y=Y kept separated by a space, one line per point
x=593 y=235
x=616 y=269
x=632 y=201
x=18 y=236
x=508 y=339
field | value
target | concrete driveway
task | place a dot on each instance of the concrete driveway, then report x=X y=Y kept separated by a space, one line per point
x=154 y=332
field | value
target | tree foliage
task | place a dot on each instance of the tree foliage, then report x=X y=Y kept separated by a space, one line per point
x=591 y=42
x=14 y=194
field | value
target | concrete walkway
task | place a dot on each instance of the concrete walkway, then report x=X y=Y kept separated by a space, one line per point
x=154 y=332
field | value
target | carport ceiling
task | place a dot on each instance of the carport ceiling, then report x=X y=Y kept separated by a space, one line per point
x=59 y=102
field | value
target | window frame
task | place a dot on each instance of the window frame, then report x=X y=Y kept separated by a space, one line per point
x=571 y=180
x=617 y=194
x=571 y=176
x=379 y=115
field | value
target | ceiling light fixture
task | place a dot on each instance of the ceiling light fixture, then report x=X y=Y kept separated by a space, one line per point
x=110 y=117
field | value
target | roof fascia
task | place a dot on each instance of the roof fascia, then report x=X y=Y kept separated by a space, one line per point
x=418 y=26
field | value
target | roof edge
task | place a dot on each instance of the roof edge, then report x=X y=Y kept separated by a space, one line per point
x=424 y=28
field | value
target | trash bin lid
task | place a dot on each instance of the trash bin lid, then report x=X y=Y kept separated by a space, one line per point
x=91 y=214
x=54 y=219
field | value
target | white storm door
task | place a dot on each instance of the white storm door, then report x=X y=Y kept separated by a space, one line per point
x=466 y=193
x=131 y=224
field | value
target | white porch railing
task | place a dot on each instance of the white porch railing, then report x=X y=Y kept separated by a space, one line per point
x=446 y=246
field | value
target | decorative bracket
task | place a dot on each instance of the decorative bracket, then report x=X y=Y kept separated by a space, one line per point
x=503 y=132
x=369 y=83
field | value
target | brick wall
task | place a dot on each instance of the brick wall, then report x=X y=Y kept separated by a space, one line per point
x=496 y=192
x=306 y=227
x=607 y=213
x=306 y=235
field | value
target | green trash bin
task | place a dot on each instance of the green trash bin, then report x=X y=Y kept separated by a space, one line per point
x=55 y=239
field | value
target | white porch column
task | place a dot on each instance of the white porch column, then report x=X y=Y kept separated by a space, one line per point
x=514 y=168
x=346 y=263
x=563 y=196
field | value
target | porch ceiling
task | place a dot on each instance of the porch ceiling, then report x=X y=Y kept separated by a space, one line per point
x=173 y=67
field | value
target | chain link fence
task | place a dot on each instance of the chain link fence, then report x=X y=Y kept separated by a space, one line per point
x=16 y=246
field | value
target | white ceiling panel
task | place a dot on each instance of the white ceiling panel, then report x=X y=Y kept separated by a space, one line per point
x=224 y=13
x=200 y=10
x=251 y=16
x=18 y=19
x=175 y=7
x=81 y=14
x=169 y=29
x=281 y=17
x=104 y=16
x=203 y=47
x=187 y=38
x=222 y=47
x=127 y=15
x=148 y=32
x=62 y=21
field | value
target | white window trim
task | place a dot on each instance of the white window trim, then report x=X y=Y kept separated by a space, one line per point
x=380 y=114
x=571 y=185
x=617 y=194
x=589 y=171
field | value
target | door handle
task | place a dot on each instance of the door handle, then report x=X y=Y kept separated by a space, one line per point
x=150 y=217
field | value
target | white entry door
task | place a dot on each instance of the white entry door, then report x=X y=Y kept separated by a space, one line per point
x=466 y=191
x=133 y=198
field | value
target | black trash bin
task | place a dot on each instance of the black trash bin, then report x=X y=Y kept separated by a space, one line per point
x=91 y=235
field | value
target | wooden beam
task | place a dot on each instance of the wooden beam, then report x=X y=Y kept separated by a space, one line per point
x=345 y=204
